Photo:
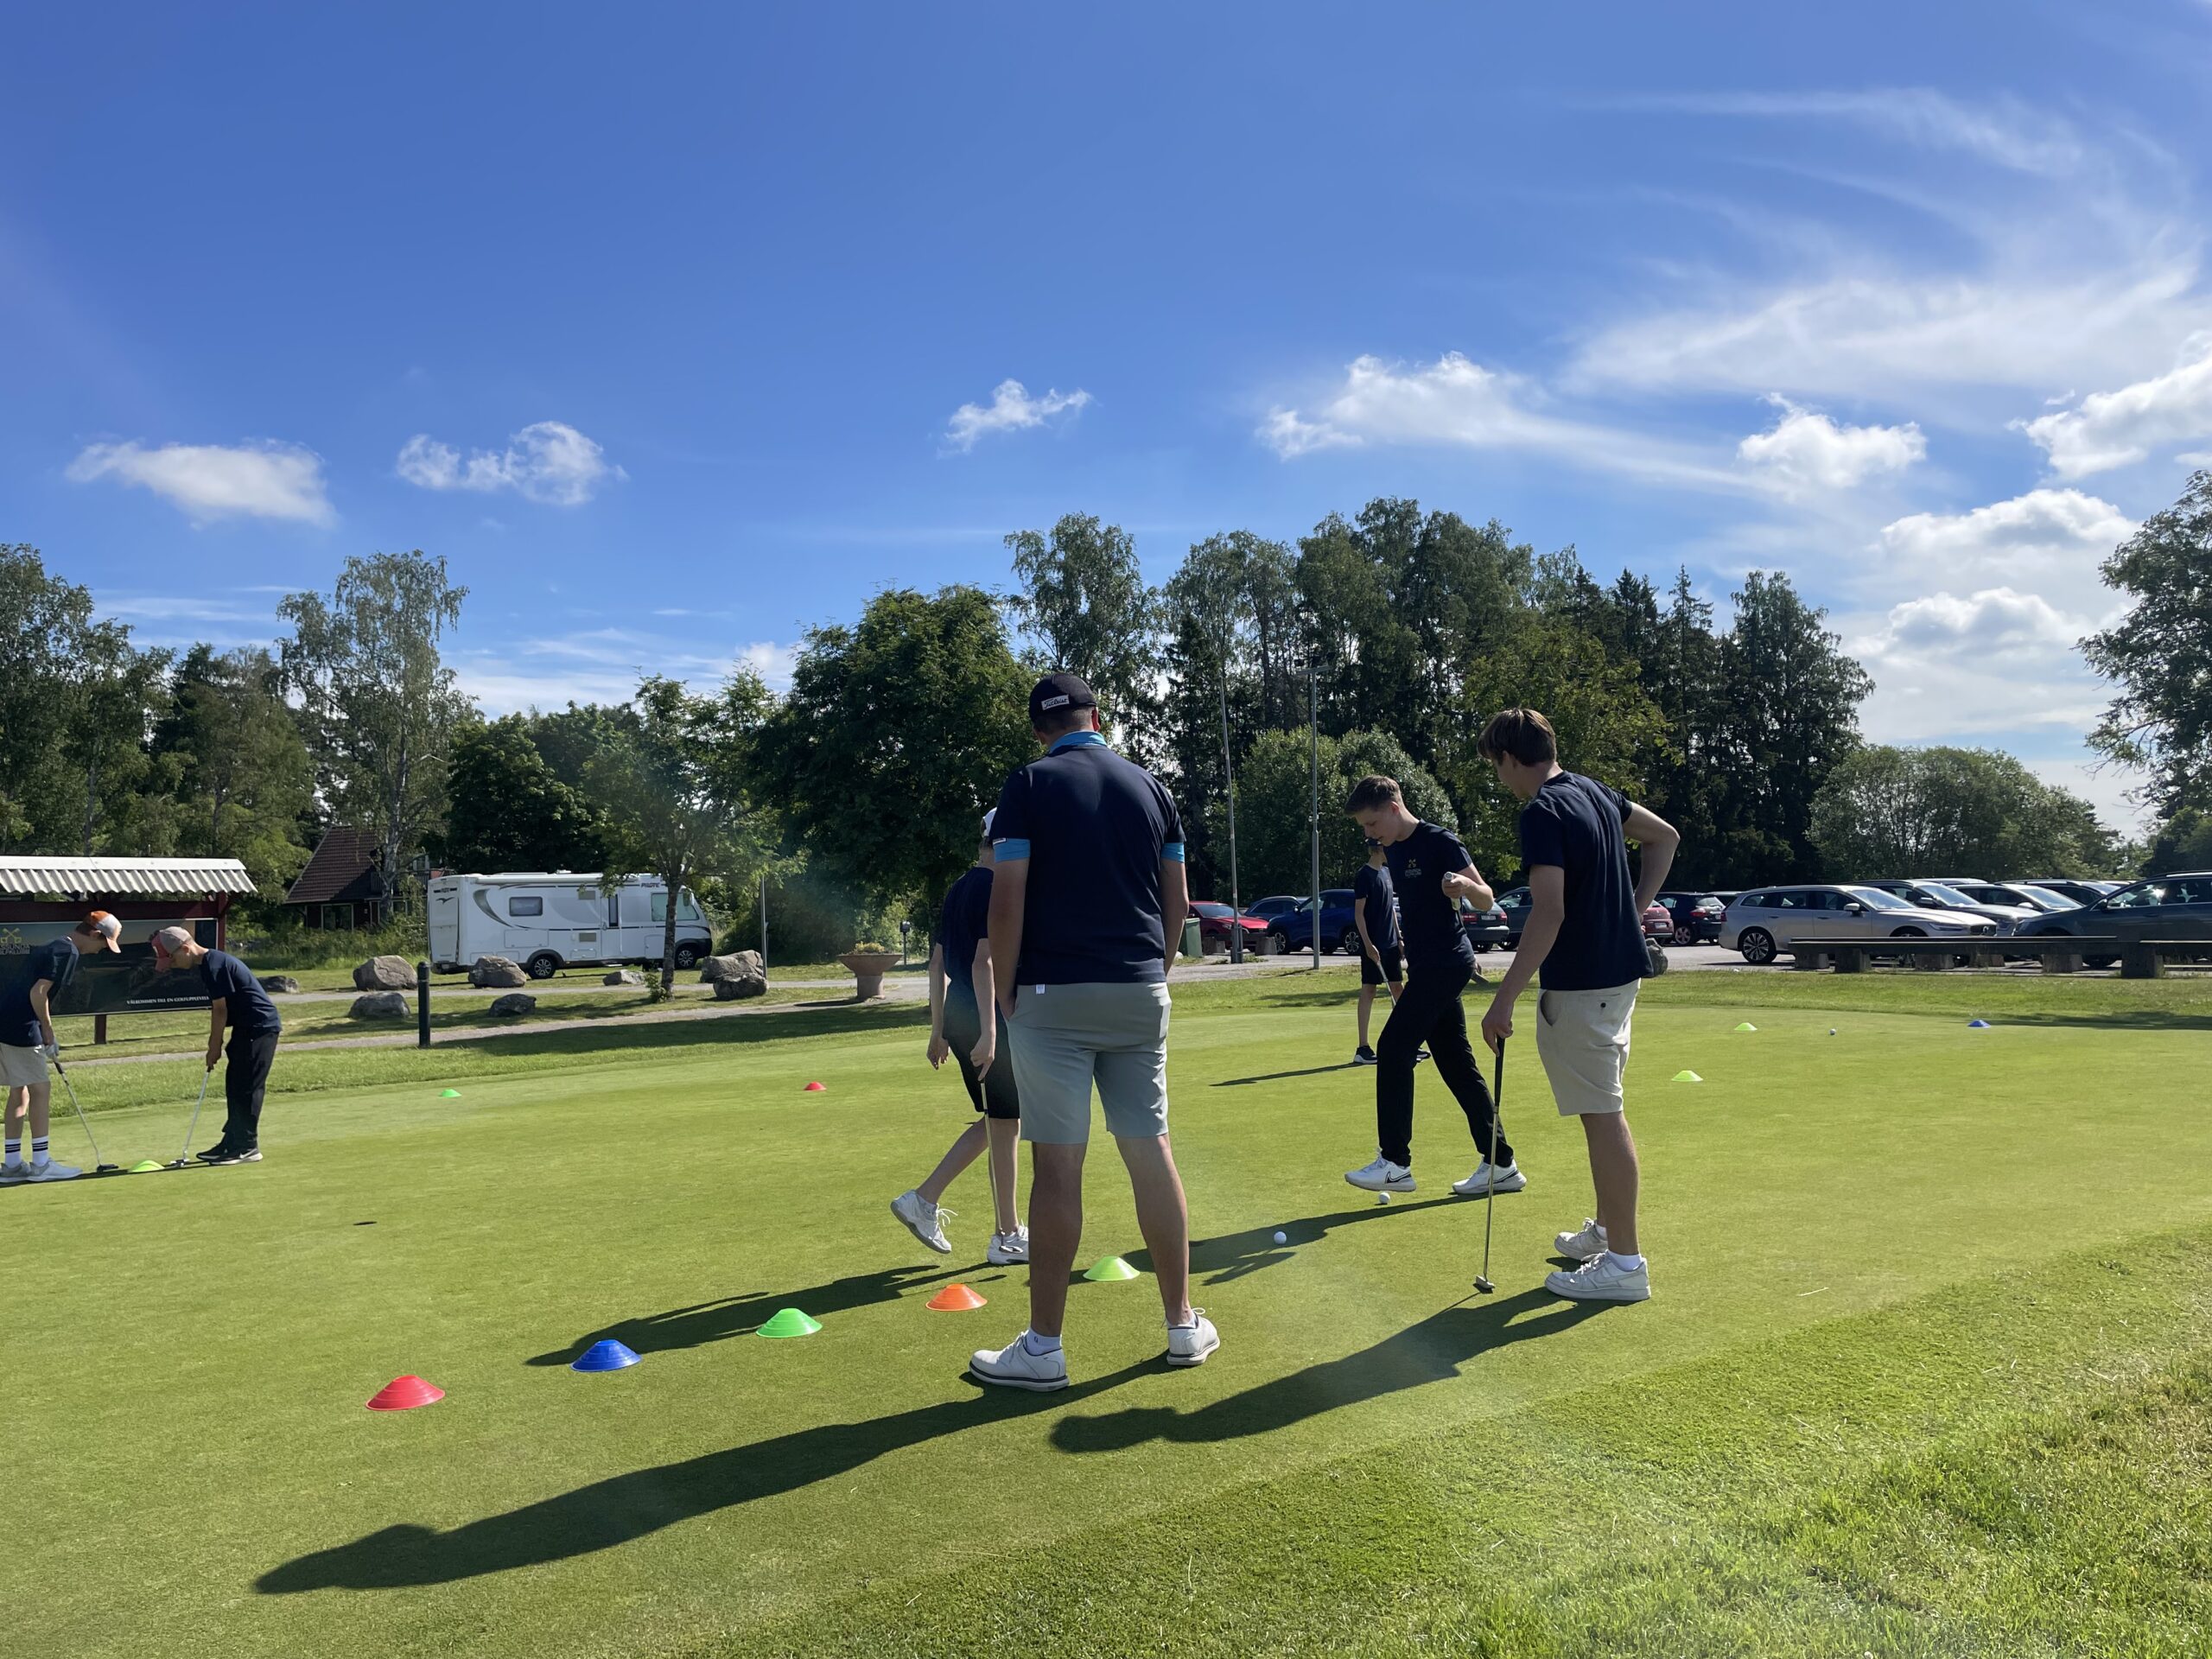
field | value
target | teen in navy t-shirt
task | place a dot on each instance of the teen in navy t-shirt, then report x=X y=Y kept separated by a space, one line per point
x=1429 y=916
x=1575 y=823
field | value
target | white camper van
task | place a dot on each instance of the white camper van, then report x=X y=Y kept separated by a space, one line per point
x=550 y=921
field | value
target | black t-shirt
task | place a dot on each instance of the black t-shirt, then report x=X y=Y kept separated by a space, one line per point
x=1094 y=829
x=246 y=1005
x=1418 y=866
x=1371 y=892
x=53 y=961
x=964 y=922
x=1575 y=823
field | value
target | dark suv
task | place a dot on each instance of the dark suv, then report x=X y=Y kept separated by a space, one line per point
x=1293 y=930
x=1697 y=915
x=2164 y=907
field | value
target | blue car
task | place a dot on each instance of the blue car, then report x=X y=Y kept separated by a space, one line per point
x=1293 y=930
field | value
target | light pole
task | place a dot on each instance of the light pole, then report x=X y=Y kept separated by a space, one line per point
x=1229 y=776
x=1313 y=751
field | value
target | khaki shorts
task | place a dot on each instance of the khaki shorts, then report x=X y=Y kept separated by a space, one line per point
x=1065 y=1038
x=21 y=1068
x=1582 y=1038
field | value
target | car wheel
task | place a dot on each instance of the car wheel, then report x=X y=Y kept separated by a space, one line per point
x=1281 y=937
x=1348 y=941
x=1757 y=946
x=686 y=955
x=543 y=966
x=1482 y=945
x=1685 y=935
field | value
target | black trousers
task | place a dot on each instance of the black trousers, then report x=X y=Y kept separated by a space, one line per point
x=1428 y=1011
x=246 y=1079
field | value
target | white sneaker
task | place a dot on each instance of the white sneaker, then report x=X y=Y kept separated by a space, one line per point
x=1008 y=1250
x=1585 y=1241
x=1015 y=1367
x=1189 y=1344
x=925 y=1220
x=13 y=1171
x=1382 y=1176
x=1486 y=1180
x=47 y=1170
x=1599 y=1280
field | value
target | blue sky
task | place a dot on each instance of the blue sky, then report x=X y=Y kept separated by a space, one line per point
x=680 y=332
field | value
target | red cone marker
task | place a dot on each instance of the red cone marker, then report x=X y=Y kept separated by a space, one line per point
x=404 y=1393
x=815 y=1088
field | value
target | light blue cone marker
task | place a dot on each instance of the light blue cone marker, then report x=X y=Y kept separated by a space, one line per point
x=605 y=1355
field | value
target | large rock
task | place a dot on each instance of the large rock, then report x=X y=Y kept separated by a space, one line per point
x=384 y=974
x=736 y=976
x=736 y=990
x=514 y=1003
x=379 y=1004
x=495 y=973
x=277 y=984
x=624 y=976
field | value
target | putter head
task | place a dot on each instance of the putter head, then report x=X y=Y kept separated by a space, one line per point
x=1484 y=1285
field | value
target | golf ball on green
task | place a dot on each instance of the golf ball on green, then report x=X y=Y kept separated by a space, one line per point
x=1282 y=1238
x=1381 y=1198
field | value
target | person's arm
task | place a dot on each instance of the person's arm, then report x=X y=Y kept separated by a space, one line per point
x=938 y=1048
x=1009 y=907
x=218 y=1016
x=41 y=990
x=986 y=1050
x=1175 y=905
x=1659 y=839
x=1546 y=911
x=1359 y=921
x=1469 y=884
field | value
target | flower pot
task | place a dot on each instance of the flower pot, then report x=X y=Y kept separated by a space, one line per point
x=868 y=968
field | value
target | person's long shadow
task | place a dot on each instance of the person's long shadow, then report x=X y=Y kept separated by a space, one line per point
x=627 y=1506
x=1432 y=1351
x=1234 y=1255
x=1277 y=1076
x=734 y=1316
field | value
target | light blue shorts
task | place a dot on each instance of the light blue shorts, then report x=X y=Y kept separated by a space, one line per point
x=1066 y=1037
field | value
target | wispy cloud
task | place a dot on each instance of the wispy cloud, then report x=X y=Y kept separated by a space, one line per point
x=2118 y=429
x=1011 y=409
x=2007 y=131
x=1806 y=448
x=548 y=462
x=212 y=481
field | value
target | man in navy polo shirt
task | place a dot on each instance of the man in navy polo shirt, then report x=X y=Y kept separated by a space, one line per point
x=1087 y=894
x=236 y=1001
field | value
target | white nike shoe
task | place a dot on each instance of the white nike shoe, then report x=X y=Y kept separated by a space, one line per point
x=1015 y=1367
x=925 y=1220
x=1487 y=1180
x=1008 y=1250
x=1585 y=1241
x=1382 y=1176
x=1598 y=1280
x=14 y=1170
x=1190 y=1344
x=47 y=1170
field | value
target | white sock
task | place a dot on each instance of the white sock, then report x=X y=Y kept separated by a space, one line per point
x=1626 y=1263
x=15 y=1151
x=38 y=1148
x=1038 y=1346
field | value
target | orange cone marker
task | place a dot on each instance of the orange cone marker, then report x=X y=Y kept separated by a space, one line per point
x=954 y=1299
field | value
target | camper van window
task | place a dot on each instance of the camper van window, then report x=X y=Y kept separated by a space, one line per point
x=687 y=907
x=521 y=907
x=660 y=907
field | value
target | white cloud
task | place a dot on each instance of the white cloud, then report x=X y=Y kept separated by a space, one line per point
x=1455 y=401
x=2117 y=428
x=209 y=481
x=1011 y=409
x=1996 y=619
x=2007 y=132
x=2048 y=541
x=1948 y=666
x=548 y=462
x=604 y=666
x=1806 y=448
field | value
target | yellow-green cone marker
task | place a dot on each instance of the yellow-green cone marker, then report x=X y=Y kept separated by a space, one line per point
x=1687 y=1077
x=1747 y=1025
x=1111 y=1267
x=790 y=1322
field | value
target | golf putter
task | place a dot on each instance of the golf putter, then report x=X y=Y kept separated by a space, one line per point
x=98 y=1167
x=1490 y=1162
x=183 y=1153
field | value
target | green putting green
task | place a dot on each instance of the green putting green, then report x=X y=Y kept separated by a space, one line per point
x=1927 y=1369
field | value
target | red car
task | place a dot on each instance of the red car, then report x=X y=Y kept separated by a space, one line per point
x=1659 y=924
x=1215 y=921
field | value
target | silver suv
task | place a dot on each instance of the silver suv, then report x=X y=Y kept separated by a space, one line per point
x=1771 y=920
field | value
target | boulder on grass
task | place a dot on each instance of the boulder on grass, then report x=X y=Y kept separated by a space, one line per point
x=496 y=973
x=514 y=1003
x=736 y=990
x=278 y=983
x=624 y=976
x=384 y=974
x=739 y=965
x=379 y=1005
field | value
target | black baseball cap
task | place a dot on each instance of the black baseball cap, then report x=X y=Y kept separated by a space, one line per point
x=1058 y=691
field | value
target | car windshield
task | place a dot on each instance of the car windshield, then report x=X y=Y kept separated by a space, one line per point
x=2045 y=899
x=1948 y=895
x=1875 y=899
x=1212 y=910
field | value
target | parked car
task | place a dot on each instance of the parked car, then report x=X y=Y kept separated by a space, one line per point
x=1934 y=895
x=1275 y=905
x=1763 y=924
x=1659 y=923
x=1513 y=904
x=1293 y=930
x=2010 y=892
x=1485 y=928
x=1217 y=921
x=2082 y=892
x=2164 y=907
x=1695 y=917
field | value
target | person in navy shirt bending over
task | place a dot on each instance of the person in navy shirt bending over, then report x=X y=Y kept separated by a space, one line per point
x=1088 y=899
x=235 y=999
x=1431 y=872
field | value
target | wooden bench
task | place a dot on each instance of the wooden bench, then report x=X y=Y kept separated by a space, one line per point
x=2057 y=953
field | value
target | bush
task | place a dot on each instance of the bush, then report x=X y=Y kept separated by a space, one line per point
x=287 y=947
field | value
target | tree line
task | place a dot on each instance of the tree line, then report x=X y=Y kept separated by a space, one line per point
x=1378 y=642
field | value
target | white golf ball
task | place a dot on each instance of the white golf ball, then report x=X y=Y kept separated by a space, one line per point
x=1381 y=1198
x=1282 y=1238
x=1831 y=1031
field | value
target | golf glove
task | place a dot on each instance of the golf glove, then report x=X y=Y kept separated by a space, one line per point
x=52 y=1051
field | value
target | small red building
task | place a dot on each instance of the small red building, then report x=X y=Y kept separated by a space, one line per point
x=342 y=887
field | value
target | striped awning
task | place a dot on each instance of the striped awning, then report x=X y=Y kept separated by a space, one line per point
x=150 y=878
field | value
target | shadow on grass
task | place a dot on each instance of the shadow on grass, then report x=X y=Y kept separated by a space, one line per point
x=1235 y=1255
x=1277 y=1076
x=1432 y=1351
x=2116 y=1019
x=736 y=1316
x=833 y=1019
x=627 y=1506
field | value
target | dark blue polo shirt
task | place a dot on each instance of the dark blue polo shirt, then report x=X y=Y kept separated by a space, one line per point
x=1372 y=893
x=962 y=925
x=1094 y=829
x=246 y=1006
x=1418 y=866
x=55 y=961
x=1575 y=823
